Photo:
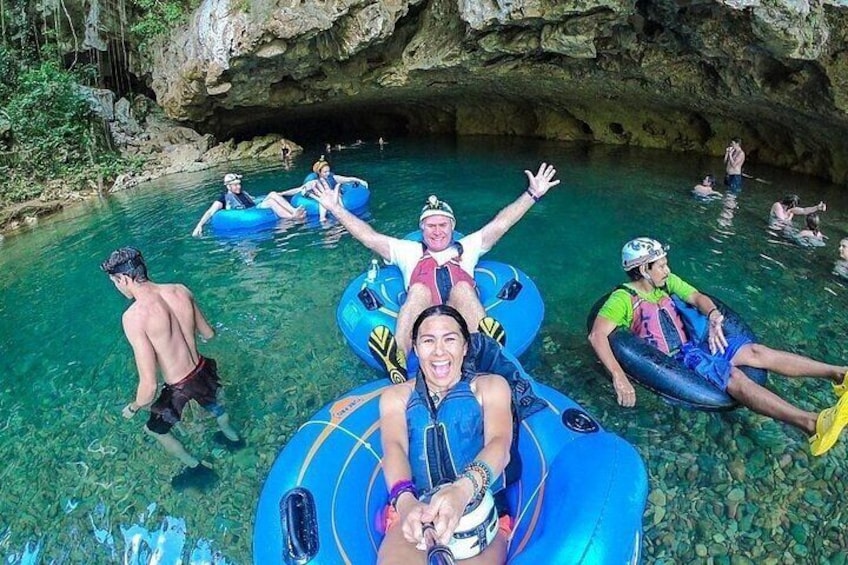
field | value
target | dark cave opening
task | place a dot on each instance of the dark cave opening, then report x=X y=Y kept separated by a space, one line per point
x=333 y=125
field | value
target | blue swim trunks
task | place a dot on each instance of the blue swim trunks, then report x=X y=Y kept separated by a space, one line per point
x=734 y=183
x=714 y=368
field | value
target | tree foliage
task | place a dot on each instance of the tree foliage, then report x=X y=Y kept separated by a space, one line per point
x=47 y=129
x=155 y=18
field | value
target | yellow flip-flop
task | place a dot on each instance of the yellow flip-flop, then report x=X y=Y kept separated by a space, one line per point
x=384 y=348
x=840 y=389
x=492 y=328
x=829 y=425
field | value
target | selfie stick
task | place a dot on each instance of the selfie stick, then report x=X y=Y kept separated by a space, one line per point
x=437 y=554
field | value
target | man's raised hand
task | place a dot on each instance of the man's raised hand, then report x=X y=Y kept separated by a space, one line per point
x=542 y=181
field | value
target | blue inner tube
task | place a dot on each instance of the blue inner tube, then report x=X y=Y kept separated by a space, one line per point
x=240 y=220
x=579 y=497
x=664 y=376
x=354 y=197
x=507 y=294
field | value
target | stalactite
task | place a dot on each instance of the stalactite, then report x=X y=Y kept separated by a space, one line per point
x=122 y=17
x=113 y=67
x=100 y=83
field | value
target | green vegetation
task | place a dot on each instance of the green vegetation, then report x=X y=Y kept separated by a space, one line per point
x=157 y=17
x=47 y=130
x=49 y=136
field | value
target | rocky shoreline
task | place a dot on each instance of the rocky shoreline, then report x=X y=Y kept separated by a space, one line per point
x=141 y=133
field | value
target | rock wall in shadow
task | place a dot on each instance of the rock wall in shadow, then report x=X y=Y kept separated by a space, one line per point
x=683 y=74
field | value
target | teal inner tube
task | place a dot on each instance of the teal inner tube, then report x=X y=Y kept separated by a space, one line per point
x=579 y=496
x=228 y=221
x=355 y=197
x=508 y=294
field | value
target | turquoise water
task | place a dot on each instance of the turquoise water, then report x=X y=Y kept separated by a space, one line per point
x=721 y=484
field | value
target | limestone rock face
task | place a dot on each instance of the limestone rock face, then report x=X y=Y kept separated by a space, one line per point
x=678 y=74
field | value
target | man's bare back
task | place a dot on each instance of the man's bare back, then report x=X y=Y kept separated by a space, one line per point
x=166 y=317
x=160 y=326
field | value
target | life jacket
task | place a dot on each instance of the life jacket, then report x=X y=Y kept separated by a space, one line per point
x=331 y=180
x=444 y=439
x=440 y=279
x=238 y=202
x=658 y=324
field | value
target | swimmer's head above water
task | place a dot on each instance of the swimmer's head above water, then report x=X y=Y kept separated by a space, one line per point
x=790 y=201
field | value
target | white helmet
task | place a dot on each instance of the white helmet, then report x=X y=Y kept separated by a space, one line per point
x=640 y=251
x=476 y=529
x=230 y=178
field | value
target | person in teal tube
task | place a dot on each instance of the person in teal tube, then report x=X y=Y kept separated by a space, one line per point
x=644 y=305
x=234 y=198
x=322 y=176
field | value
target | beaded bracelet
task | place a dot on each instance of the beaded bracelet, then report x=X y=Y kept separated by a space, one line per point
x=490 y=475
x=484 y=477
x=399 y=488
x=533 y=196
x=470 y=476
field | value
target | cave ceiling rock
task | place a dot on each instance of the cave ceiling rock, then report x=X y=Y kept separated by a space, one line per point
x=526 y=26
x=234 y=55
x=794 y=29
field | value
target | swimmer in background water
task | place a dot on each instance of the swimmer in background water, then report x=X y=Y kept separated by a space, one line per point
x=813 y=231
x=705 y=188
x=285 y=155
x=324 y=177
x=734 y=158
x=841 y=266
x=781 y=213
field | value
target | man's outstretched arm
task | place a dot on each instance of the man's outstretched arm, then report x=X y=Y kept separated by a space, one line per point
x=538 y=186
x=377 y=242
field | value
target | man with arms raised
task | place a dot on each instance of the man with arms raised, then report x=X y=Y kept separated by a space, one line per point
x=439 y=270
x=160 y=326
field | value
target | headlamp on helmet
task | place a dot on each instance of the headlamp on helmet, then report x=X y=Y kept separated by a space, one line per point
x=436 y=207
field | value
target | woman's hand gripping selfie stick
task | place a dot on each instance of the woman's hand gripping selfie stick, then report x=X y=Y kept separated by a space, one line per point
x=437 y=554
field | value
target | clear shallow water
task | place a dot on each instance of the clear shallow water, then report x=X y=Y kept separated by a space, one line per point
x=733 y=484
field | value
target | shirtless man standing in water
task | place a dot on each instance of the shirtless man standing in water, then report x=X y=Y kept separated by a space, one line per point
x=161 y=325
x=734 y=158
